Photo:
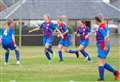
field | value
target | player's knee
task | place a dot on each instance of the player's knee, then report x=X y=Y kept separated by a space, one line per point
x=101 y=62
x=80 y=48
x=59 y=47
x=46 y=46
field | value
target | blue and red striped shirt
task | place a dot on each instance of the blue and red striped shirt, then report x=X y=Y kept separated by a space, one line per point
x=83 y=31
x=63 y=28
x=47 y=29
x=101 y=33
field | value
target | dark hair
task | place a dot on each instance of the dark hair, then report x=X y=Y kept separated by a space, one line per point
x=98 y=19
x=87 y=23
x=8 y=23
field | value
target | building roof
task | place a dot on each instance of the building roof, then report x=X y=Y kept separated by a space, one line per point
x=9 y=2
x=2 y=6
x=116 y=3
x=73 y=9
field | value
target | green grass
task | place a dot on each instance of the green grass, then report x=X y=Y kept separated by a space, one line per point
x=35 y=68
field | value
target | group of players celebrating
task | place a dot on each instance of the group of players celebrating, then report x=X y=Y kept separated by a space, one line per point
x=48 y=27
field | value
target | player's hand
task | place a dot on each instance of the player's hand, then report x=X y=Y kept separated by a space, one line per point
x=106 y=49
x=86 y=37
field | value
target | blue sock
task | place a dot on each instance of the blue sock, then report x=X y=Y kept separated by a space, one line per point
x=17 y=55
x=47 y=55
x=60 y=55
x=85 y=54
x=101 y=72
x=72 y=51
x=6 y=56
x=50 y=50
x=109 y=68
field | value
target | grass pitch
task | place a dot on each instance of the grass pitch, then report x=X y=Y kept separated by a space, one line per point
x=34 y=66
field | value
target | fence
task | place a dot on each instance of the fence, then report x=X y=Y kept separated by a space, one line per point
x=23 y=38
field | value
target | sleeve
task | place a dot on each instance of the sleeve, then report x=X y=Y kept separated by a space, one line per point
x=56 y=26
x=65 y=28
x=53 y=27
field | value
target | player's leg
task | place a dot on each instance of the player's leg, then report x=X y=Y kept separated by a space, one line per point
x=49 y=42
x=71 y=51
x=47 y=52
x=102 y=65
x=46 y=45
x=101 y=62
x=66 y=44
x=60 y=52
x=17 y=55
x=81 y=48
x=110 y=68
x=83 y=45
x=60 y=46
x=51 y=51
x=6 y=56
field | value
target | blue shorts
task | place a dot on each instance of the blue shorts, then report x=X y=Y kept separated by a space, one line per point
x=65 y=43
x=8 y=46
x=47 y=41
x=84 y=43
x=102 y=53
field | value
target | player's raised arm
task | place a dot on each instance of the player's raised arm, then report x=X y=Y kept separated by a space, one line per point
x=13 y=36
x=35 y=29
x=13 y=39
